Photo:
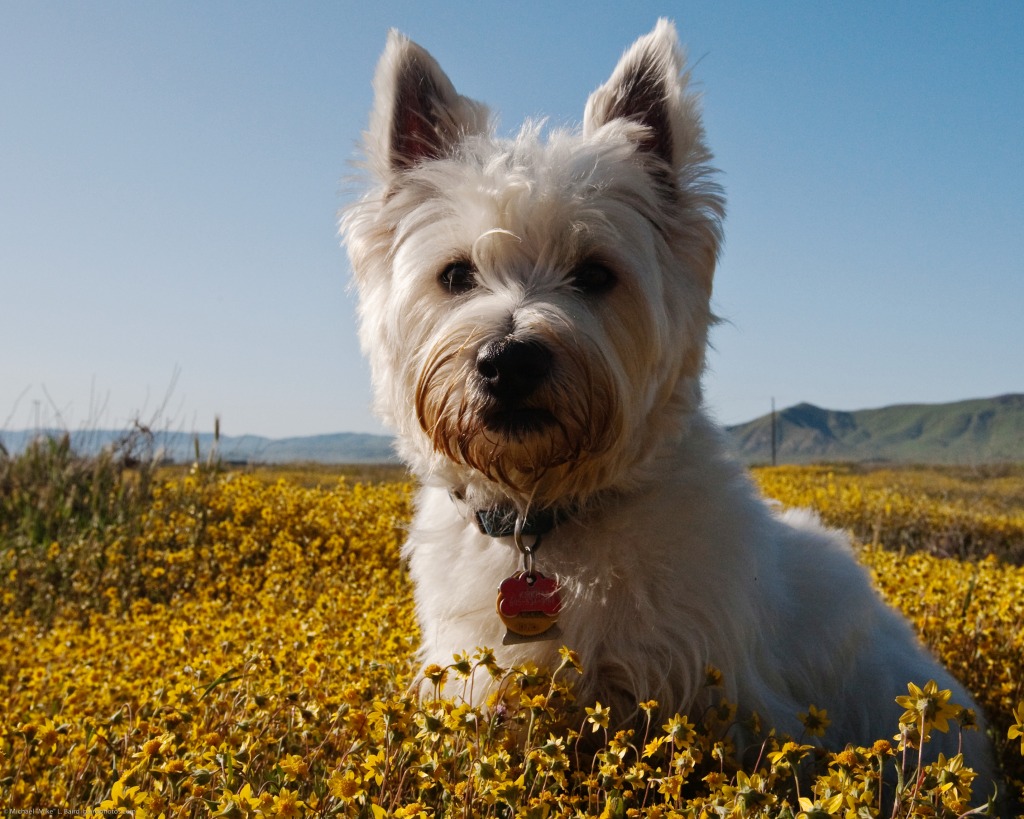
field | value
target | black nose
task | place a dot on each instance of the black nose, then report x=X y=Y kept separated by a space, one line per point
x=510 y=369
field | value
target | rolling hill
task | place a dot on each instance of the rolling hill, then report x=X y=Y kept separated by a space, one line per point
x=180 y=447
x=984 y=430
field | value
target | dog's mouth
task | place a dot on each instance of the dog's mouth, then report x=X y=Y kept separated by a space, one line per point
x=518 y=422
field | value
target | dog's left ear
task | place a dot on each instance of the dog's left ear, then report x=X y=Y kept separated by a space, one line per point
x=648 y=88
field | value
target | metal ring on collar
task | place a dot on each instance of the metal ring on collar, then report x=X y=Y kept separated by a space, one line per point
x=527 y=551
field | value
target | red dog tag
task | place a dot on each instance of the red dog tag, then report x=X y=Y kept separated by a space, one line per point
x=528 y=604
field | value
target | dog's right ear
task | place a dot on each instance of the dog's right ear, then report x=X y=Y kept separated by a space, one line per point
x=417 y=113
x=649 y=88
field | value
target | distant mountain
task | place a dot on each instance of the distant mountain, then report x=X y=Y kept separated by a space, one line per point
x=984 y=430
x=343 y=447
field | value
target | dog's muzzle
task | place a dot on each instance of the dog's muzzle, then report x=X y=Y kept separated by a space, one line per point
x=509 y=371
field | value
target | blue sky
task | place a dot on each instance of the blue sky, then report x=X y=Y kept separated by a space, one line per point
x=170 y=175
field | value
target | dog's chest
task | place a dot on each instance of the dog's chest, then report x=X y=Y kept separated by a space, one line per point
x=610 y=577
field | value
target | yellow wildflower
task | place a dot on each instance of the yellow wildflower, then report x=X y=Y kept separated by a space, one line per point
x=1016 y=731
x=345 y=785
x=927 y=707
x=294 y=767
x=815 y=721
x=598 y=716
x=287 y=805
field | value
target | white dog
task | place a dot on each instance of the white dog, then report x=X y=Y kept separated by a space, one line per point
x=536 y=311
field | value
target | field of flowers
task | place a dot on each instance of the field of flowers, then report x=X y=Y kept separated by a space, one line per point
x=967 y=513
x=239 y=645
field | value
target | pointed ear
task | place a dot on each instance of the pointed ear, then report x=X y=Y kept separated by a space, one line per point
x=417 y=113
x=648 y=88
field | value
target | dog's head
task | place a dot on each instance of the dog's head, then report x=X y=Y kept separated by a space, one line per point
x=535 y=309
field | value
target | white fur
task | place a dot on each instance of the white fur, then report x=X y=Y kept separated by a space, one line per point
x=669 y=560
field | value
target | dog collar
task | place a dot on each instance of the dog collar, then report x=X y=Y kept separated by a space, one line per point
x=528 y=602
x=500 y=521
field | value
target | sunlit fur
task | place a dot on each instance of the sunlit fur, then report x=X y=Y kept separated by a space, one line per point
x=668 y=558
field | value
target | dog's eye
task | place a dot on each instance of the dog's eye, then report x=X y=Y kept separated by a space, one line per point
x=592 y=278
x=458 y=277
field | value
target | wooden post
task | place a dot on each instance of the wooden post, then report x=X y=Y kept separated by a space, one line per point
x=773 y=431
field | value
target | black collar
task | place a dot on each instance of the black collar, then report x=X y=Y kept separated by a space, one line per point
x=500 y=521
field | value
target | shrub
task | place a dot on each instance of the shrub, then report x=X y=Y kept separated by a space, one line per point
x=66 y=521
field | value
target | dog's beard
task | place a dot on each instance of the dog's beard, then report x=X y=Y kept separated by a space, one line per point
x=545 y=448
